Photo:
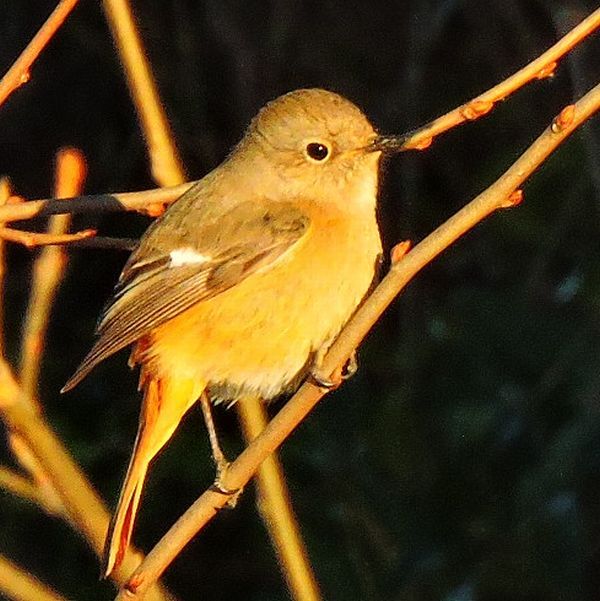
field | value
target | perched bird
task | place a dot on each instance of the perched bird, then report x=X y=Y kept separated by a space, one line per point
x=244 y=282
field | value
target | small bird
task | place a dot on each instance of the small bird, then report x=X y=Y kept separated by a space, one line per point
x=244 y=282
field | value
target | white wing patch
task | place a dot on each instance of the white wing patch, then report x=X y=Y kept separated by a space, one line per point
x=187 y=256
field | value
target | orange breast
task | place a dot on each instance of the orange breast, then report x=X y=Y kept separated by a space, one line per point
x=257 y=336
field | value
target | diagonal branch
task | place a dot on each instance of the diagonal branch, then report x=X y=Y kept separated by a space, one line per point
x=165 y=163
x=18 y=584
x=540 y=68
x=19 y=73
x=503 y=193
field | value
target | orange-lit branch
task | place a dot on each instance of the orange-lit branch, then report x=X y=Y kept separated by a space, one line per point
x=49 y=269
x=19 y=73
x=32 y=239
x=166 y=166
x=542 y=67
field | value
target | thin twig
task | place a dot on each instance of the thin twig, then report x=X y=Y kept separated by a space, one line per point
x=144 y=201
x=166 y=166
x=17 y=584
x=503 y=193
x=19 y=73
x=22 y=487
x=276 y=509
x=48 y=271
x=106 y=243
x=540 y=68
x=32 y=239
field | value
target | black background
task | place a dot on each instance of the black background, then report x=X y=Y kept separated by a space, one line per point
x=463 y=461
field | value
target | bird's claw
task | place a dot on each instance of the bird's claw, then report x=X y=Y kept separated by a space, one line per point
x=334 y=381
x=219 y=487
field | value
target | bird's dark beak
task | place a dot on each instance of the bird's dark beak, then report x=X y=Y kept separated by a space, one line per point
x=388 y=144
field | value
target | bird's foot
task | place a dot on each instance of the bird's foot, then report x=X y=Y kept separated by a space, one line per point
x=337 y=377
x=219 y=487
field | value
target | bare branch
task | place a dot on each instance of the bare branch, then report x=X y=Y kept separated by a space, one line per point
x=83 y=505
x=166 y=166
x=47 y=496
x=106 y=243
x=17 y=584
x=542 y=67
x=48 y=271
x=145 y=201
x=22 y=487
x=276 y=509
x=149 y=201
x=19 y=73
x=32 y=239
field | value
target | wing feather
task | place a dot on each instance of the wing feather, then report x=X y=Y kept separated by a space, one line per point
x=153 y=288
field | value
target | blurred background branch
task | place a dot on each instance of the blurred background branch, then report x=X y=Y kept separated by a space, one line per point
x=166 y=166
x=273 y=501
x=21 y=586
x=48 y=272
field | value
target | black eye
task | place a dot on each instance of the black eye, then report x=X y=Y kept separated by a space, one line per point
x=317 y=151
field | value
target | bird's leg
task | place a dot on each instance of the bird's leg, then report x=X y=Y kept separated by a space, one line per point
x=217 y=453
x=339 y=375
x=218 y=456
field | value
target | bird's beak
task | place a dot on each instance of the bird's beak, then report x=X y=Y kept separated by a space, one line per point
x=388 y=144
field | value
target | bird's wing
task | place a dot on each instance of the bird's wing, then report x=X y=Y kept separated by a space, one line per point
x=173 y=270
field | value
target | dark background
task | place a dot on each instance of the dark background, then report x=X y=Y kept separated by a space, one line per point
x=463 y=461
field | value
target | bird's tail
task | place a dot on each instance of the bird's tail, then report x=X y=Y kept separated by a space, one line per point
x=165 y=402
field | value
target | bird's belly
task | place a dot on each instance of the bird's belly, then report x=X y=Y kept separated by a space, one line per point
x=259 y=336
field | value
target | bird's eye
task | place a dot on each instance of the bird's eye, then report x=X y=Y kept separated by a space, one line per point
x=317 y=151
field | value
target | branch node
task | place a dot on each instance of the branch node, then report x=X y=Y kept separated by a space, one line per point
x=24 y=77
x=156 y=209
x=513 y=200
x=564 y=119
x=132 y=585
x=424 y=144
x=475 y=109
x=399 y=251
x=548 y=71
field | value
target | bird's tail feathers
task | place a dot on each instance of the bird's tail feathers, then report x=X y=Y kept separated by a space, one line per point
x=165 y=403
